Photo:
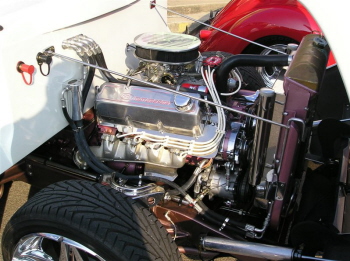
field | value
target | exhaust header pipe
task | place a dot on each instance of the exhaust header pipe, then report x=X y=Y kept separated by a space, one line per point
x=255 y=250
x=241 y=248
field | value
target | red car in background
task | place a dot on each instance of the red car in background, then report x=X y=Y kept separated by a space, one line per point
x=273 y=23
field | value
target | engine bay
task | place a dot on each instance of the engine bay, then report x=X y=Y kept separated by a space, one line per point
x=187 y=133
x=141 y=144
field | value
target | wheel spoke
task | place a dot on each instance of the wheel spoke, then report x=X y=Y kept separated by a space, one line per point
x=64 y=252
x=30 y=248
x=76 y=254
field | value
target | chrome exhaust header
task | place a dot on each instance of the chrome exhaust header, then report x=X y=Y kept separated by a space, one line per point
x=241 y=248
x=254 y=250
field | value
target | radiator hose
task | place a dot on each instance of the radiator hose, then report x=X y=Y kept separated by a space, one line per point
x=224 y=69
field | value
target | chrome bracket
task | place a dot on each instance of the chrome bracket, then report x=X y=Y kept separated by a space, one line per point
x=150 y=194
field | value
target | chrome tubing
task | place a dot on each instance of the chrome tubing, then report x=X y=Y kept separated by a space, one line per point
x=75 y=44
x=77 y=113
x=252 y=230
x=261 y=136
x=96 y=48
x=85 y=47
x=68 y=45
x=83 y=50
x=242 y=248
x=85 y=40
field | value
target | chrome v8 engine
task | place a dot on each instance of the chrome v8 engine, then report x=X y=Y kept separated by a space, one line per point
x=180 y=123
x=156 y=126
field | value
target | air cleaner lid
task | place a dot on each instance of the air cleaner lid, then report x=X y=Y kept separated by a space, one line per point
x=166 y=41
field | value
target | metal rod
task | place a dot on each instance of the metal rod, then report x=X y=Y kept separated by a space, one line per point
x=166 y=89
x=251 y=249
x=218 y=29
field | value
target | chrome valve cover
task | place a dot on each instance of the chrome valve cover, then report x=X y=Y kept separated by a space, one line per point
x=147 y=108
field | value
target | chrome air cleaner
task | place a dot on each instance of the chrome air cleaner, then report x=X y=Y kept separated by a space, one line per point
x=167 y=47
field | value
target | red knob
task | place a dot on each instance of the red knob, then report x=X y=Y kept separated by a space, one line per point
x=204 y=34
x=25 y=68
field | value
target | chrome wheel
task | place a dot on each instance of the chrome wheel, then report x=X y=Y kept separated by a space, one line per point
x=271 y=74
x=46 y=246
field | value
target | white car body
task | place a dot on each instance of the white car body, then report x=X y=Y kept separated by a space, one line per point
x=31 y=113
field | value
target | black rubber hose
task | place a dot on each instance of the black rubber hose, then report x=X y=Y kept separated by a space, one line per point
x=102 y=63
x=88 y=81
x=185 y=186
x=217 y=218
x=227 y=226
x=85 y=147
x=222 y=72
x=80 y=143
x=85 y=157
x=102 y=59
x=68 y=118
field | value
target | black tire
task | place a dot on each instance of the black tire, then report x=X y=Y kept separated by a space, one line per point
x=269 y=74
x=251 y=79
x=107 y=222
